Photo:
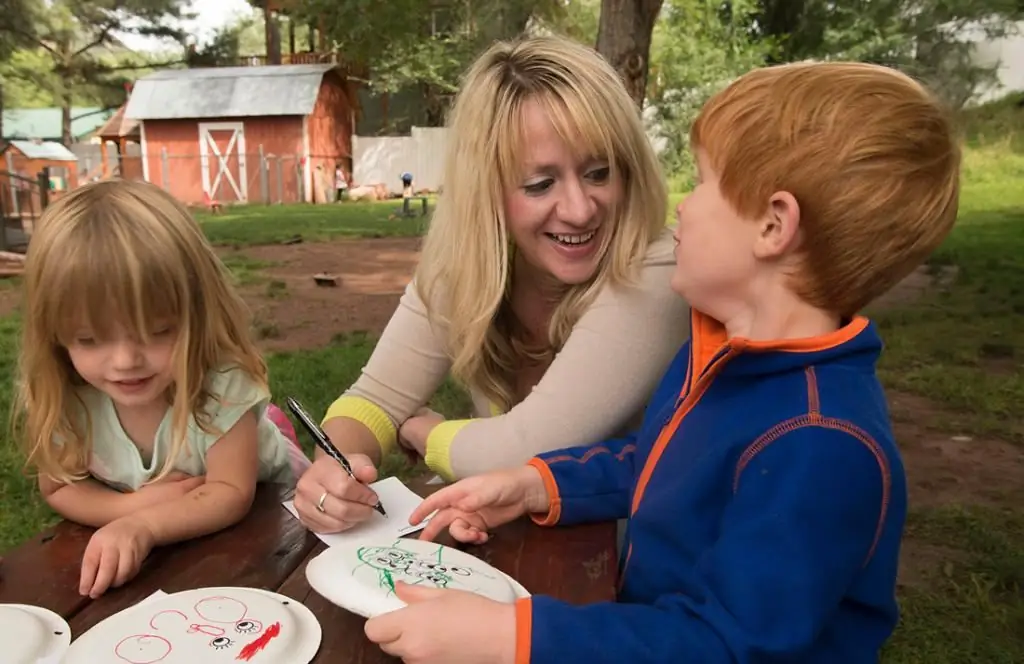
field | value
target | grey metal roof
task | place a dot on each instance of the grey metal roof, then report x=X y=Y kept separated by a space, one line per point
x=226 y=92
x=44 y=150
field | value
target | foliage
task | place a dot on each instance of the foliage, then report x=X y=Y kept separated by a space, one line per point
x=429 y=44
x=696 y=50
x=73 y=47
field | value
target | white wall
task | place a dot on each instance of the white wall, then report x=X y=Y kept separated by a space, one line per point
x=1007 y=53
x=383 y=159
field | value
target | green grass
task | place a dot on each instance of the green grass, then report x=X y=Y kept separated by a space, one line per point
x=246 y=225
x=972 y=609
x=962 y=347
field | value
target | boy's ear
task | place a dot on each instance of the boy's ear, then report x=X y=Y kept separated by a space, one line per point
x=780 y=229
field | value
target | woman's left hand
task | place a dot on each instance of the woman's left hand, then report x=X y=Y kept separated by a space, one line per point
x=414 y=432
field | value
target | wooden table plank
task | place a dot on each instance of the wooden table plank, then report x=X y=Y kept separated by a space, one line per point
x=261 y=551
x=45 y=571
x=270 y=549
x=575 y=564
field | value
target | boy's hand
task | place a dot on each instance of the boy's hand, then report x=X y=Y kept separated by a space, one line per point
x=477 y=504
x=441 y=626
x=114 y=555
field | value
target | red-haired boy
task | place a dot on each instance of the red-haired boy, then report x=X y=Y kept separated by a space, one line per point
x=764 y=491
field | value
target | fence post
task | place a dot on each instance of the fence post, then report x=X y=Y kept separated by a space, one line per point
x=164 y=169
x=44 y=188
x=14 y=183
x=300 y=181
x=264 y=178
x=280 y=180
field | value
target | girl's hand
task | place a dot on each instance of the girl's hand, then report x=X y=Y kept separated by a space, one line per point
x=413 y=433
x=477 y=504
x=114 y=555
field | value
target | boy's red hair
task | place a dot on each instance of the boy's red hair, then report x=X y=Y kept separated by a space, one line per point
x=870 y=156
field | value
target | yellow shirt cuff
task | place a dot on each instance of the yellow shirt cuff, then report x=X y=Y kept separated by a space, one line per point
x=370 y=415
x=439 y=446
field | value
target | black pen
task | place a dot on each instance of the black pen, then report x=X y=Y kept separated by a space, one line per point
x=324 y=443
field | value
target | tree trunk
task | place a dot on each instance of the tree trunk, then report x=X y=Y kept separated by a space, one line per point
x=624 y=39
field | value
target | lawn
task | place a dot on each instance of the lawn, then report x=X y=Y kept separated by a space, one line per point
x=246 y=225
x=956 y=349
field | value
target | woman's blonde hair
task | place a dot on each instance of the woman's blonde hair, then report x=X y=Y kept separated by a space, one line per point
x=466 y=264
x=121 y=253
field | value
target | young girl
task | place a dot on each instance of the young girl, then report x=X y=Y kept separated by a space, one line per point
x=143 y=402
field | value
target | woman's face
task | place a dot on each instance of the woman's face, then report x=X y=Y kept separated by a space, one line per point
x=558 y=212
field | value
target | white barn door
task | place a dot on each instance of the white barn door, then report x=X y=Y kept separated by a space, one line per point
x=222 y=158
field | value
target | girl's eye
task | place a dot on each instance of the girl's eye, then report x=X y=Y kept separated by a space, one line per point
x=538 y=188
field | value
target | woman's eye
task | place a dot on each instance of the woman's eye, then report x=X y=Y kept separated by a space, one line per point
x=537 y=188
x=599 y=174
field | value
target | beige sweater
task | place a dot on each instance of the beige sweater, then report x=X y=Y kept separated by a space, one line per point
x=595 y=388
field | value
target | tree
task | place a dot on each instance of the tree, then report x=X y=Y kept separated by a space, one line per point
x=697 y=49
x=624 y=39
x=75 y=35
x=15 y=27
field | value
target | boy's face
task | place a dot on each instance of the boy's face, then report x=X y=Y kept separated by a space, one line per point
x=716 y=259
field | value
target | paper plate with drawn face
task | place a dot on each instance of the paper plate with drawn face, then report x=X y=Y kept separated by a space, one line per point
x=204 y=625
x=361 y=578
x=32 y=634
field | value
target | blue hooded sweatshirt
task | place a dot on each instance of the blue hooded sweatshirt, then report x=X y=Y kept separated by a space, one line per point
x=765 y=498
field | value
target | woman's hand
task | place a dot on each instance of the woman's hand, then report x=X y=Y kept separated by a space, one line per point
x=413 y=433
x=471 y=507
x=328 y=500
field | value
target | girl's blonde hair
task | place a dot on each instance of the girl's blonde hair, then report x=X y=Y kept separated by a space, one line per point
x=121 y=253
x=466 y=265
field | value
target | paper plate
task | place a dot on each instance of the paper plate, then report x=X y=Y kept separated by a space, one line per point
x=32 y=634
x=204 y=625
x=361 y=578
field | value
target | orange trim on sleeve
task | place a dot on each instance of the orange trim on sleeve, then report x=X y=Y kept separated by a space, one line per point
x=555 y=500
x=524 y=630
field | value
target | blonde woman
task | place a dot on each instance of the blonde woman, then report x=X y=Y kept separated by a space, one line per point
x=143 y=403
x=543 y=284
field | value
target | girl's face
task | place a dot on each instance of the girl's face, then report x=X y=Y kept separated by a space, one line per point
x=558 y=213
x=133 y=373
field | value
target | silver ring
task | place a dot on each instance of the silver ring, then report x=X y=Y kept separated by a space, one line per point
x=320 y=503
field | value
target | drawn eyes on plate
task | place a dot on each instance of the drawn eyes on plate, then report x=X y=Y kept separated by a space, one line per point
x=248 y=626
x=221 y=642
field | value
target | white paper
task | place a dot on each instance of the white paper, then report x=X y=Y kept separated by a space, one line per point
x=157 y=594
x=398 y=500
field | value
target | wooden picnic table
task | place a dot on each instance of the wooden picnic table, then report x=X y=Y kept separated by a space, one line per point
x=269 y=549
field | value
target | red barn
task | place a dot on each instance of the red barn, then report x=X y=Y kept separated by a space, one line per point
x=240 y=134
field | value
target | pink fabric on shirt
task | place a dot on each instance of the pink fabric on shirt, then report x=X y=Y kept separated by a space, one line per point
x=300 y=462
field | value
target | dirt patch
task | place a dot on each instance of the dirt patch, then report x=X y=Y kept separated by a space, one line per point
x=922 y=563
x=945 y=469
x=292 y=312
x=921 y=281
